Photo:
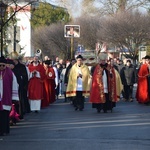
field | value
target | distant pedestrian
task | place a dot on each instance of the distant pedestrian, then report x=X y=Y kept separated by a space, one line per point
x=62 y=78
x=128 y=78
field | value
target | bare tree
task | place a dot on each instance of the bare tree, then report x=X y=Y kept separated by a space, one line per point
x=51 y=40
x=128 y=31
x=110 y=7
x=89 y=27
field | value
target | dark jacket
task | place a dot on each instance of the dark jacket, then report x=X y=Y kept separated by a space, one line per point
x=127 y=75
x=67 y=73
x=119 y=67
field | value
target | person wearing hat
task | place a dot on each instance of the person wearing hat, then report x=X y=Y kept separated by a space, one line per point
x=49 y=84
x=79 y=83
x=143 y=84
x=10 y=63
x=106 y=85
x=35 y=86
x=128 y=78
x=8 y=92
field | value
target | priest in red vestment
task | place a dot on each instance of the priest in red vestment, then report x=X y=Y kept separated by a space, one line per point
x=49 y=84
x=35 y=87
x=106 y=86
x=143 y=85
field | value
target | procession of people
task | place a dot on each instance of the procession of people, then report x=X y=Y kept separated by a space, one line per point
x=30 y=87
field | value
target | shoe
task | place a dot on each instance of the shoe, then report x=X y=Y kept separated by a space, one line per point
x=65 y=101
x=147 y=103
x=81 y=109
x=105 y=111
x=36 y=111
x=131 y=100
x=1 y=134
x=20 y=117
x=76 y=108
x=98 y=110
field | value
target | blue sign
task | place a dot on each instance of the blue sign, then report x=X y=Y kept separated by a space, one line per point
x=80 y=49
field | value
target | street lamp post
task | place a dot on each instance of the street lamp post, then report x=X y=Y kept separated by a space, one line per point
x=15 y=38
x=3 y=8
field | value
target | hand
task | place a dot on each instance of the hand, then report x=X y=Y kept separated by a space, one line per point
x=80 y=75
x=34 y=72
x=56 y=86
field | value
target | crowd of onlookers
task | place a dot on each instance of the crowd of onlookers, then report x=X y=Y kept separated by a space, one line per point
x=40 y=83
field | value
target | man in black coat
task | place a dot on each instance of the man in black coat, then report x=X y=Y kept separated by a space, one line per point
x=128 y=75
x=21 y=73
x=69 y=65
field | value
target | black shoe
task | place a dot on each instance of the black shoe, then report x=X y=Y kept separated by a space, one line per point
x=98 y=110
x=36 y=111
x=81 y=109
x=1 y=134
x=131 y=100
x=105 y=111
x=20 y=117
x=76 y=108
x=65 y=101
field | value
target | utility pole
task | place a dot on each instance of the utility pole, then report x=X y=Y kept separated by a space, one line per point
x=72 y=46
x=15 y=38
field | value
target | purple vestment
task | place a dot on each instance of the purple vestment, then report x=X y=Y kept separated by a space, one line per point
x=7 y=79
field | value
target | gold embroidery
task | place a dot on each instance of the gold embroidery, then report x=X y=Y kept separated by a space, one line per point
x=100 y=83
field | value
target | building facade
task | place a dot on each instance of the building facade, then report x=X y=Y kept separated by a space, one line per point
x=19 y=35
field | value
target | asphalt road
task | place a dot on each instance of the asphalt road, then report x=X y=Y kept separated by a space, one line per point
x=59 y=127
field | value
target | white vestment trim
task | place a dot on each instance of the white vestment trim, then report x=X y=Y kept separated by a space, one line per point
x=105 y=82
x=15 y=87
x=56 y=76
x=35 y=105
x=1 y=87
x=6 y=107
x=79 y=81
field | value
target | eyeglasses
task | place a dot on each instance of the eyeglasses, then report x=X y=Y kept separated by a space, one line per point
x=2 y=65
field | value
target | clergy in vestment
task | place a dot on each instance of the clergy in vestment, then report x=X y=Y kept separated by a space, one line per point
x=8 y=92
x=106 y=86
x=143 y=84
x=49 y=84
x=79 y=83
x=35 y=87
